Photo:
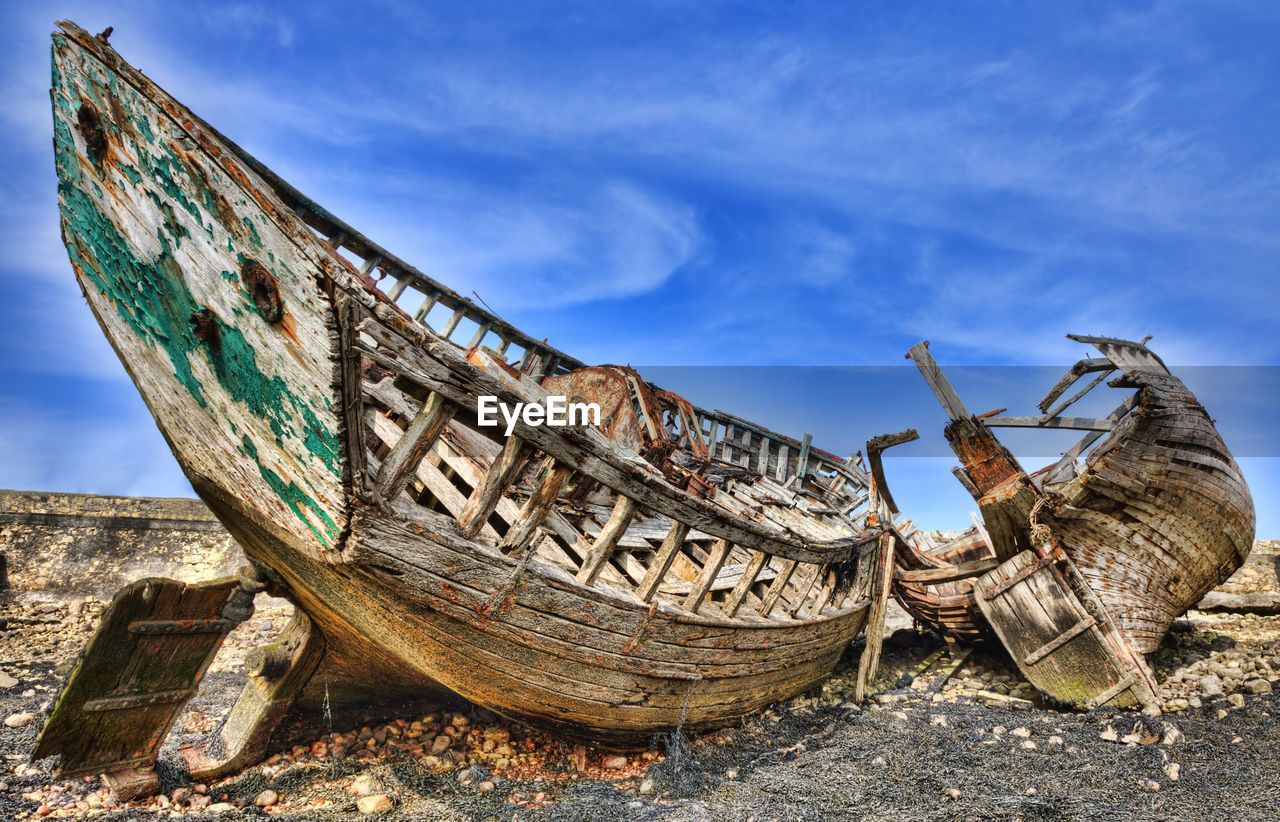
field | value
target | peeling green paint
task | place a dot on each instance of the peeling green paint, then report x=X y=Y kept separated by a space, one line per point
x=152 y=297
x=294 y=497
x=254 y=239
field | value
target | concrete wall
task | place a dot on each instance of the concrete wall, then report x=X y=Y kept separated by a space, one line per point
x=80 y=544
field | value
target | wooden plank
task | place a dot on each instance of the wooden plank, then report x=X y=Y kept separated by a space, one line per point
x=451 y=324
x=666 y=554
x=405 y=455
x=500 y=475
x=758 y=561
x=1074 y=423
x=998 y=588
x=607 y=541
x=874 y=631
x=1060 y=640
x=947 y=573
x=1086 y=366
x=719 y=553
x=802 y=462
x=534 y=511
x=779 y=584
x=937 y=381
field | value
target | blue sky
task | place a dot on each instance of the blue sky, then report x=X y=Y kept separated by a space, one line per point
x=716 y=184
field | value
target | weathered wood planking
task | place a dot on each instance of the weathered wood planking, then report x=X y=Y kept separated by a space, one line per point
x=162 y=227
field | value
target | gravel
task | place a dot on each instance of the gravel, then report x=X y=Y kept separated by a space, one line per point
x=978 y=746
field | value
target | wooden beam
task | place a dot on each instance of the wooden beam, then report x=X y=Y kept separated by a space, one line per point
x=719 y=553
x=666 y=554
x=1076 y=423
x=405 y=455
x=607 y=541
x=535 y=508
x=774 y=592
x=937 y=381
x=485 y=498
x=755 y=565
x=880 y=589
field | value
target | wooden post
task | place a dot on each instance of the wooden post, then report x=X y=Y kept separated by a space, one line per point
x=875 y=620
x=534 y=511
x=409 y=450
x=719 y=553
x=666 y=553
x=485 y=498
x=607 y=541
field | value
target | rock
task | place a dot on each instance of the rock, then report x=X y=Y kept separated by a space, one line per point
x=732 y=773
x=486 y=786
x=614 y=762
x=1055 y=741
x=1172 y=735
x=1109 y=734
x=646 y=787
x=1258 y=686
x=266 y=799
x=6 y=681
x=441 y=744
x=1022 y=732
x=375 y=803
x=1211 y=685
x=952 y=794
x=221 y=807
x=1172 y=770
x=1235 y=700
x=878 y=762
x=938 y=719
x=18 y=720
x=365 y=784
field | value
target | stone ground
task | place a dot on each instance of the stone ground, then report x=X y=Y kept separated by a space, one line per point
x=975 y=745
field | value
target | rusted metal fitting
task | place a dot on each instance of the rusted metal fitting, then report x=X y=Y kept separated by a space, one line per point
x=95 y=136
x=205 y=327
x=263 y=289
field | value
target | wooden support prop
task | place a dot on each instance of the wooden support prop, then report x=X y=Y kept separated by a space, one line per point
x=662 y=562
x=719 y=553
x=754 y=566
x=485 y=498
x=774 y=593
x=874 y=632
x=421 y=434
x=607 y=541
x=535 y=508
x=937 y=381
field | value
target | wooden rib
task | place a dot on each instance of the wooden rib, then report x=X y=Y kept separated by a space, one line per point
x=937 y=381
x=719 y=553
x=403 y=460
x=666 y=553
x=485 y=498
x=452 y=323
x=535 y=508
x=607 y=541
x=479 y=336
x=758 y=560
x=825 y=593
x=802 y=591
x=772 y=595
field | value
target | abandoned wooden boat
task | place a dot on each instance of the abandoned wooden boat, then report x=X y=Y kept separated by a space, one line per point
x=673 y=565
x=1080 y=569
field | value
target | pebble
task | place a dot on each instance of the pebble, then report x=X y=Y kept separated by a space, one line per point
x=953 y=794
x=1172 y=770
x=1258 y=686
x=6 y=681
x=221 y=807
x=375 y=803
x=266 y=799
x=18 y=720
x=1211 y=685
x=1235 y=700
x=365 y=784
x=1109 y=734
x=614 y=763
